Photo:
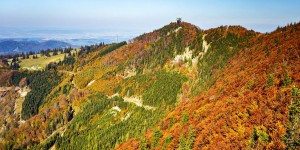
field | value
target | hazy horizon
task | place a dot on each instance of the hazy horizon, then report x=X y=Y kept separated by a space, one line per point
x=129 y=18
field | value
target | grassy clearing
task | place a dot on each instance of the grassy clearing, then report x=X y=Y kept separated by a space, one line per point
x=41 y=62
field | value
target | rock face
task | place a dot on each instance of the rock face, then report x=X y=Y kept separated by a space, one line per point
x=19 y=101
x=11 y=100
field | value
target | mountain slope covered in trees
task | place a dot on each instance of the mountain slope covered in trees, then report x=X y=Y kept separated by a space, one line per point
x=178 y=87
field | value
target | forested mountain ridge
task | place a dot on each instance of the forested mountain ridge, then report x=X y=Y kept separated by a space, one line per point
x=11 y=46
x=178 y=87
x=254 y=102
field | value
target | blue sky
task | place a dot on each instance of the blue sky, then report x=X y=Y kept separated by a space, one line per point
x=133 y=17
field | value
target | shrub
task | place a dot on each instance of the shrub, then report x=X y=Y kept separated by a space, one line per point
x=184 y=118
x=270 y=80
x=259 y=135
x=156 y=137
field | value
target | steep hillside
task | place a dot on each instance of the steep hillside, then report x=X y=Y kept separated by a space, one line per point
x=176 y=87
x=254 y=102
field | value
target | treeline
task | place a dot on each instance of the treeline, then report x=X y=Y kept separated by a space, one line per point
x=46 y=52
x=90 y=48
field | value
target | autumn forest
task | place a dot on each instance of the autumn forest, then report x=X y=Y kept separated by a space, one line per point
x=177 y=87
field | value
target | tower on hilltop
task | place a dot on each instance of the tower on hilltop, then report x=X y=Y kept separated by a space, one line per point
x=179 y=20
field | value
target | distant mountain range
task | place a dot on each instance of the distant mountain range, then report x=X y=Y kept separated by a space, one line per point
x=19 y=45
x=13 y=46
